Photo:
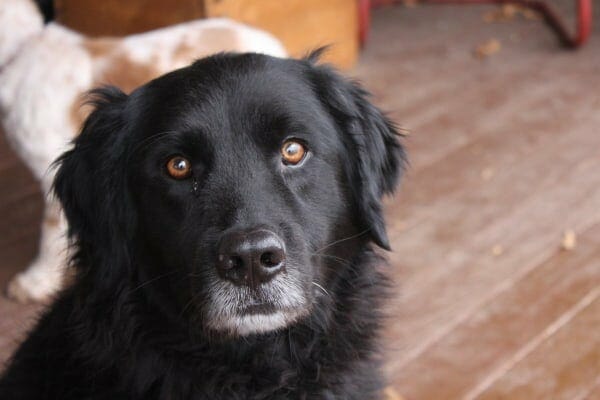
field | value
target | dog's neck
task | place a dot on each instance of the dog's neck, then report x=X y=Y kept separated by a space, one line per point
x=311 y=347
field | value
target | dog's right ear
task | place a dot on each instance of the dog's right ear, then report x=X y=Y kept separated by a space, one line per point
x=91 y=183
x=373 y=142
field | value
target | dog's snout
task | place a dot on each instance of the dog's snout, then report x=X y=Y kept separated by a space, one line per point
x=250 y=257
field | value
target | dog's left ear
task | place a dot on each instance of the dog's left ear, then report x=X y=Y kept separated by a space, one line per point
x=91 y=184
x=372 y=139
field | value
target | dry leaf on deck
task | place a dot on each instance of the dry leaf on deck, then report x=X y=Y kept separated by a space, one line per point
x=391 y=394
x=488 y=48
x=569 y=240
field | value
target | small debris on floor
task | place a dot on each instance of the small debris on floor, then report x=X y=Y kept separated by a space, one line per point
x=488 y=48
x=530 y=14
x=391 y=394
x=569 y=240
x=487 y=173
x=410 y=3
x=508 y=12
x=501 y=14
x=497 y=250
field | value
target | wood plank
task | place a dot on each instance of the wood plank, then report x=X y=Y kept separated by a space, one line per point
x=10 y=197
x=522 y=166
x=504 y=325
x=20 y=216
x=16 y=320
x=448 y=217
x=17 y=256
x=564 y=365
x=593 y=394
x=118 y=18
x=21 y=208
x=20 y=219
x=302 y=25
x=420 y=79
x=444 y=228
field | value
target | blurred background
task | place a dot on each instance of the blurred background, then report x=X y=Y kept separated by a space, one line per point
x=496 y=228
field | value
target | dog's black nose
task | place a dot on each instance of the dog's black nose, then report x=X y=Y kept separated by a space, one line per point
x=250 y=257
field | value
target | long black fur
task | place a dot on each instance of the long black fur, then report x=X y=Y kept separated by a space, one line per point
x=125 y=329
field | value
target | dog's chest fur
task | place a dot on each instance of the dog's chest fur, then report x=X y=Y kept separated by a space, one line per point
x=135 y=359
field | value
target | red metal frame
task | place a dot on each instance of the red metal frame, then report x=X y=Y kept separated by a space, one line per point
x=581 y=35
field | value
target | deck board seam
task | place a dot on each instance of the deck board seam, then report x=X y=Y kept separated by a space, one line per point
x=531 y=345
x=503 y=287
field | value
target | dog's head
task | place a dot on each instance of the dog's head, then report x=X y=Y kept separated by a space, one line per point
x=233 y=189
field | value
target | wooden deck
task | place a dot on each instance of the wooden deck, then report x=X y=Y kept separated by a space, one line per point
x=505 y=158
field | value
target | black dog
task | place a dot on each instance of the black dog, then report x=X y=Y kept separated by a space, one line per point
x=222 y=218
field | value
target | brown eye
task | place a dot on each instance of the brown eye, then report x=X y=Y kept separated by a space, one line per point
x=179 y=167
x=293 y=152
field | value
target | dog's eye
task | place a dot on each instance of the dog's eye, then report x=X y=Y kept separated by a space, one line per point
x=292 y=152
x=179 y=167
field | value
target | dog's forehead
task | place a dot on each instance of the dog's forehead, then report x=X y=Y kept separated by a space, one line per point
x=240 y=90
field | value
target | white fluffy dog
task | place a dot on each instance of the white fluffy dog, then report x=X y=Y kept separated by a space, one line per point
x=45 y=70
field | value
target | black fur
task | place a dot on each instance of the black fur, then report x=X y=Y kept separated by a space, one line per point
x=134 y=324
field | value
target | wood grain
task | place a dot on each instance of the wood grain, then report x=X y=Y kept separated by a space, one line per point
x=302 y=25
x=119 y=18
x=511 y=321
x=565 y=365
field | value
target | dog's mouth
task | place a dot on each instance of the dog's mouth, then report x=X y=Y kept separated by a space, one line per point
x=260 y=307
x=242 y=310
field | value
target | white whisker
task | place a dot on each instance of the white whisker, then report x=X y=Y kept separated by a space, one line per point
x=321 y=287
